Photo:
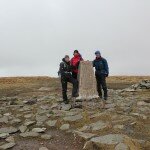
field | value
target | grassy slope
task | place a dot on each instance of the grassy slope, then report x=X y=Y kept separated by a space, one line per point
x=10 y=86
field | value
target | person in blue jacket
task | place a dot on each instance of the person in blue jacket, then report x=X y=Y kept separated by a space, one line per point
x=101 y=72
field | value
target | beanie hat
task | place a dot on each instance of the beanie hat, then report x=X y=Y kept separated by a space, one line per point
x=76 y=51
x=98 y=52
x=66 y=56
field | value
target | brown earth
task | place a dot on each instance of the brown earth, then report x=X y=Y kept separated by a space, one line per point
x=28 y=87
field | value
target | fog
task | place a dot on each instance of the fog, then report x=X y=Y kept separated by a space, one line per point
x=36 y=34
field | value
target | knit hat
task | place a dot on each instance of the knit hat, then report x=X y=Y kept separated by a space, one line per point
x=76 y=51
x=66 y=56
x=97 y=52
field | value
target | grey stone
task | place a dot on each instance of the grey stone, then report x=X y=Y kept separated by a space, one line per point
x=29 y=123
x=7 y=146
x=40 y=118
x=46 y=136
x=98 y=125
x=10 y=139
x=121 y=146
x=43 y=148
x=85 y=136
x=73 y=118
x=29 y=134
x=4 y=119
x=119 y=127
x=22 y=128
x=65 y=127
x=51 y=123
x=27 y=116
x=65 y=107
x=110 y=139
x=15 y=121
x=8 y=130
x=39 y=130
x=4 y=135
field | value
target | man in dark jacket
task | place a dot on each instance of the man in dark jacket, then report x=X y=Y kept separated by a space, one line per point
x=65 y=71
x=101 y=72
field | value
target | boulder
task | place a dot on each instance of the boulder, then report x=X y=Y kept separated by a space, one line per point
x=108 y=140
x=51 y=123
x=8 y=130
x=29 y=134
x=4 y=135
x=22 y=128
x=73 y=118
x=98 y=125
x=85 y=136
x=38 y=130
x=65 y=127
x=7 y=146
x=121 y=146
x=46 y=136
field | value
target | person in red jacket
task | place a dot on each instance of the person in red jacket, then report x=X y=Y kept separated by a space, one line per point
x=75 y=61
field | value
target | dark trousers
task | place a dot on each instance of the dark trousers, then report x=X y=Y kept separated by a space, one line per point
x=75 y=75
x=64 y=82
x=101 y=84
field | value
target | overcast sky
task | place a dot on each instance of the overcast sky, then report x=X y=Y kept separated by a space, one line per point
x=36 y=34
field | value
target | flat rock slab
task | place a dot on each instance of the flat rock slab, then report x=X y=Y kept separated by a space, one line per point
x=110 y=139
x=98 y=125
x=38 y=130
x=46 y=136
x=7 y=146
x=4 y=119
x=73 y=118
x=121 y=146
x=85 y=136
x=65 y=127
x=8 y=130
x=4 y=135
x=23 y=128
x=51 y=123
x=65 y=107
x=43 y=148
x=29 y=123
x=29 y=134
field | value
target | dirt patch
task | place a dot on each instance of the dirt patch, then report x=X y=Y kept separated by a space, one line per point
x=60 y=141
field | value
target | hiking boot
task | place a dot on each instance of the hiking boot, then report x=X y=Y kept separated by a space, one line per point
x=66 y=101
x=73 y=102
x=105 y=98
x=103 y=104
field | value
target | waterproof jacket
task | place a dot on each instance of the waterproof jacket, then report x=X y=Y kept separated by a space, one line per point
x=65 y=69
x=75 y=61
x=101 y=66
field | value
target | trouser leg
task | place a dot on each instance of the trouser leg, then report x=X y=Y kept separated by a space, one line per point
x=75 y=86
x=64 y=89
x=99 y=89
x=104 y=86
x=75 y=75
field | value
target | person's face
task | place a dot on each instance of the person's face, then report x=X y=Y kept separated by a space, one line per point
x=98 y=55
x=75 y=54
x=67 y=59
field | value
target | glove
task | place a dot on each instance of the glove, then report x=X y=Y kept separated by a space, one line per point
x=106 y=75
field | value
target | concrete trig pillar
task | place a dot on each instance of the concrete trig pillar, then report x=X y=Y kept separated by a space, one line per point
x=87 y=81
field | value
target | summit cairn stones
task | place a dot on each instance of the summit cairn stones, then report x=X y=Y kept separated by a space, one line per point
x=87 y=81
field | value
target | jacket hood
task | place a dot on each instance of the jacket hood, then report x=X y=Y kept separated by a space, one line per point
x=65 y=61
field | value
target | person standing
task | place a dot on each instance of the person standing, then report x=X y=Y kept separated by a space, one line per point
x=75 y=62
x=101 y=72
x=65 y=72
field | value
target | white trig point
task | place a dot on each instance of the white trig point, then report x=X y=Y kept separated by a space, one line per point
x=87 y=81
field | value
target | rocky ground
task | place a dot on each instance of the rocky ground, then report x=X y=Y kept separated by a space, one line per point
x=32 y=116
